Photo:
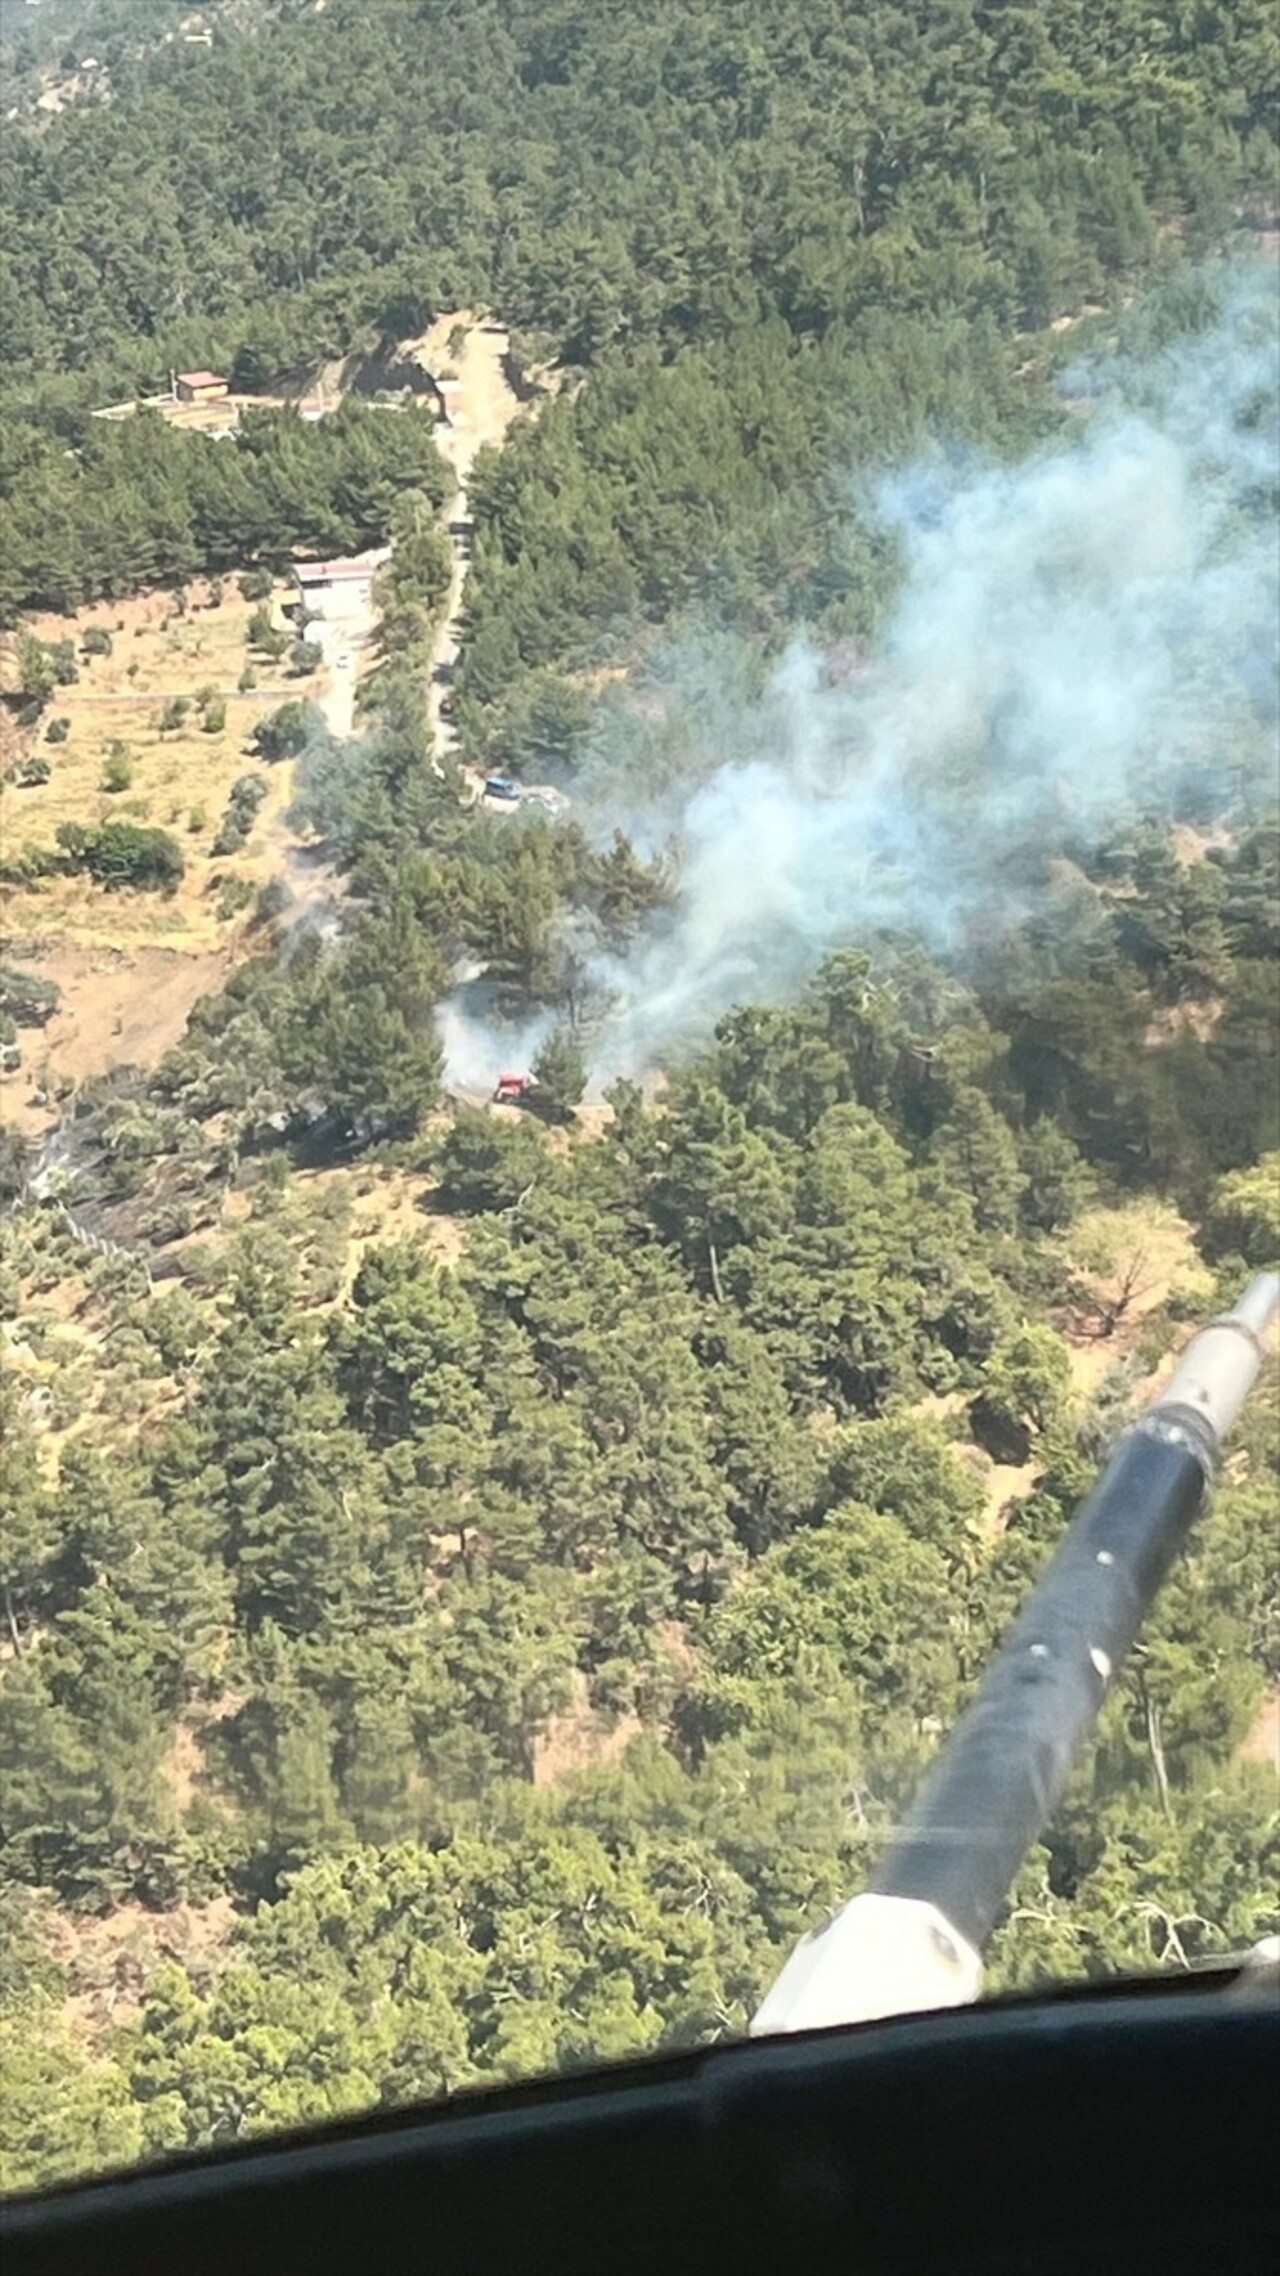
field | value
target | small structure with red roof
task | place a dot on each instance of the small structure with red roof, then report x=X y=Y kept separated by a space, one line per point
x=338 y=589
x=199 y=387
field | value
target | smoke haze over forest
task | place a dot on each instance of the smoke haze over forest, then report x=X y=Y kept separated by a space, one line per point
x=1085 y=635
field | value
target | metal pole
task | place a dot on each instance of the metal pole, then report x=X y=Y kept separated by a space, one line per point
x=915 y=1939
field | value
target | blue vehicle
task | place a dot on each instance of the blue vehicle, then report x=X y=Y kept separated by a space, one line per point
x=501 y=786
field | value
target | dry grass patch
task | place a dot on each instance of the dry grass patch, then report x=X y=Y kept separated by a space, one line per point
x=130 y=964
x=385 y=1204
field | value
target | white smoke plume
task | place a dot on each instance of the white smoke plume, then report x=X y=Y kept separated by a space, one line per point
x=1087 y=634
x=313 y=895
x=478 y=1044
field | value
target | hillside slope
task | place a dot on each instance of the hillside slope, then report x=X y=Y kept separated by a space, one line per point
x=477 y=1582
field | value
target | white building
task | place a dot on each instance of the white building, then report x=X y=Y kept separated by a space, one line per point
x=337 y=591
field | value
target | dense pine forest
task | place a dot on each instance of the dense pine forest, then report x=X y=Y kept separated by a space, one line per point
x=457 y=1637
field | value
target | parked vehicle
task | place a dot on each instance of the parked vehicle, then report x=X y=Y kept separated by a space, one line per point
x=514 y=1090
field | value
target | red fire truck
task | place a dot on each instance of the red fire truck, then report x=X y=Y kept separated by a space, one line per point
x=513 y=1090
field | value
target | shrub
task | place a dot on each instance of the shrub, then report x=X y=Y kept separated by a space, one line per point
x=119 y=765
x=273 y=900
x=246 y=797
x=32 y=863
x=97 y=641
x=283 y=733
x=236 y=894
x=248 y=791
x=215 y=716
x=35 y=669
x=117 y=769
x=58 y=730
x=27 y=998
x=1243 y=1218
x=255 y=584
x=123 y=854
x=172 y=1220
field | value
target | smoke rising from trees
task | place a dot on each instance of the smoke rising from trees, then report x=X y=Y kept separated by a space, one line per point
x=1088 y=634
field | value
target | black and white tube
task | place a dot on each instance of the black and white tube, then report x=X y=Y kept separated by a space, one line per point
x=915 y=1940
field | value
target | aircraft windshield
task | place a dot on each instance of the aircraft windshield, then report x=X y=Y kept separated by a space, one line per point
x=638 y=1006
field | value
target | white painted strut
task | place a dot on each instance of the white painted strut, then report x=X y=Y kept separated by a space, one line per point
x=880 y=1956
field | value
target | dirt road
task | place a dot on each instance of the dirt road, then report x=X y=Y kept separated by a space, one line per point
x=352 y=618
x=469 y=351
x=338 y=701
x=483 y=411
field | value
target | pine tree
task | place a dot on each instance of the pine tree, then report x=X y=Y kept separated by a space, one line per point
x=560 y=1071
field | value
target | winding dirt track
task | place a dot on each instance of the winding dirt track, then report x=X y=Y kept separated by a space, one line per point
x=485 y=408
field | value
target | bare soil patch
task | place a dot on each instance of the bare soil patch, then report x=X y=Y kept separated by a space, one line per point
x=112 y=1961
x=486 y=402
x=580 y=1738
x=1191 y=845
x=121 y=1007
x=1197 y=1019
x=1003 y=1484
x=1263 y=1741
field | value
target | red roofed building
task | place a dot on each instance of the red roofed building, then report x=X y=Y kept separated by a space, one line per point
x=337 y=590
x=199 y=387
x=357 y=569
